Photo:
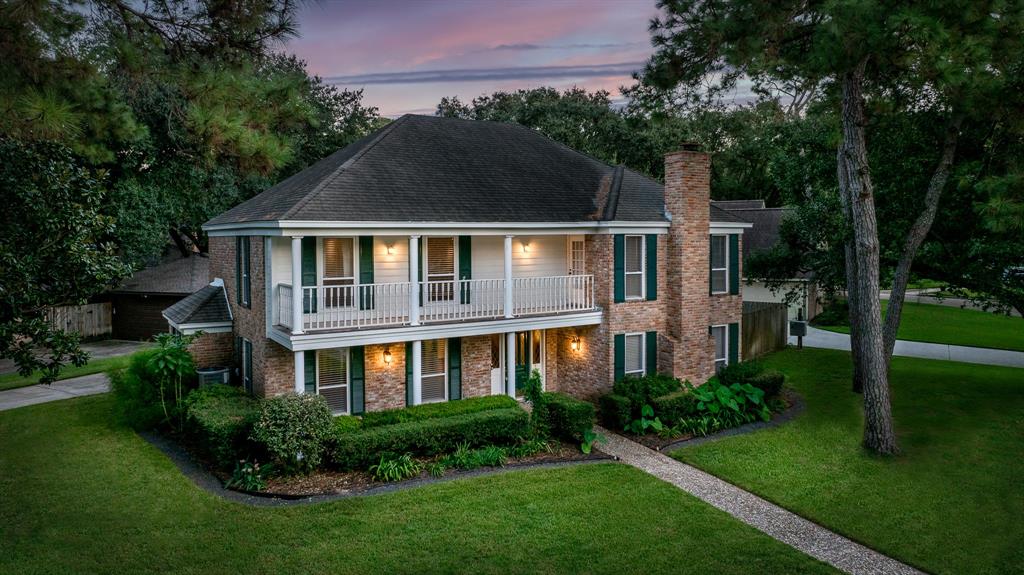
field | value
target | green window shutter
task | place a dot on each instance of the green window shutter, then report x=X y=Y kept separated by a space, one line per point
x=619 y=267
x=238 y=269
x=310 y=376
x=454 y=368
x=365 y=271
x=652 y=352
x=711 y=291
x=408 y=373
x=734 y=264
x=652 y=267
x=620 y=356
x=238 y=359
x=465 y=265
x=247 y=278
x=734 y=343
x=308 y=274
x=357 y=373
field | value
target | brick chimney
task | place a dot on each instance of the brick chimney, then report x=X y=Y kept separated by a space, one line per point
x=689 y=347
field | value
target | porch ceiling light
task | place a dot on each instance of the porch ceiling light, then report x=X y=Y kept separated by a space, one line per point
x=575 y=343
x=387 y=356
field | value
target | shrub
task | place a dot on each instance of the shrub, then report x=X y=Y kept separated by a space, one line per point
x=465 y=458
x=248 y=477
x=725 y=401
x=359 y=449
x=529 y=447
x=395 y=467
x=173 y=372
x=836 y=313
x=219 y=419
x=741 y=372
x=647 y=421
x=615 y=410
x=675 y=406
x=294 y=429
x=136 y=397
x=436 y=410
x=769 y=381
x=641 y=390
x=567 y=417
x=347 y=424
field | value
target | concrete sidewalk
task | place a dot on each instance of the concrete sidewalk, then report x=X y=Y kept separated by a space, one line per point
x=63 y=389
x=831 y=340
x=95 y=349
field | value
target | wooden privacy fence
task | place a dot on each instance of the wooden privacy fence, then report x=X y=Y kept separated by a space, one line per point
x=89 y=320
x=765 y=327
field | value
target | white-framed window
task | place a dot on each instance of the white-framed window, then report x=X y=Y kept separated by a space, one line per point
x=634 y=267
x=635 y=351
x=720 y=333
x=339 y=275
x=440 y=260
x=719 y=263
x=332 y=379
x=434 y=371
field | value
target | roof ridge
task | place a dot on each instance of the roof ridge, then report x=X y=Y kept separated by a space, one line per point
x=337 y=171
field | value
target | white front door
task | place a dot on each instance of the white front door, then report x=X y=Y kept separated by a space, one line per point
x=497 y=364
x=576 y=256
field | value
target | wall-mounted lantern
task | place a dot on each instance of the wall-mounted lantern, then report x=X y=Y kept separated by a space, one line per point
x=575 y=343
x=387 y=356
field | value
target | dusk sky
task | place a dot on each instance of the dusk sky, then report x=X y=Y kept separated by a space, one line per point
x=407 y=54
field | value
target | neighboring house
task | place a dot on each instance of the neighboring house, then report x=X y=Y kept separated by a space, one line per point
x=765 y=234
x=137 y=304
x=441 y=258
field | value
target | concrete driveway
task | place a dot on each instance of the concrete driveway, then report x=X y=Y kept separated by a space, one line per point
x=63 y=389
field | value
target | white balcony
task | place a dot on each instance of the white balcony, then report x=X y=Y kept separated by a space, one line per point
x=347 y=307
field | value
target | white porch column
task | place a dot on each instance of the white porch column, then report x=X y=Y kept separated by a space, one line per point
x=510 y=364
x=297 y=323
x=508 y=277
x=300 y=372
x=417 y=372
x=414 y=289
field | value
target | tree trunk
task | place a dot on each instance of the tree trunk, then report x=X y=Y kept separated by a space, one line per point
x=915 y=236
x=851 y=274
x=856 y=187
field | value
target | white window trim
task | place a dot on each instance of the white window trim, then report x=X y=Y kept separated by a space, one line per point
x=348 y=379
x=642 y=272
x=426 y=259
x=725 y=340
x=245 y=269
x=321 y=260
x=726 y=268
x=643 y=354
x=444 y=364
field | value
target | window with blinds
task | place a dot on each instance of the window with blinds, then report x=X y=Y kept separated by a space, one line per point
x=719 y=265
x=332 y=378
x=434 y=371
x=440 y=268
x=718 y=332
x=339 y=270
x=634 y=352
x=634 y=264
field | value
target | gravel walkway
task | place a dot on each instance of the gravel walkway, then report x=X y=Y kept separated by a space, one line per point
x=789 y=528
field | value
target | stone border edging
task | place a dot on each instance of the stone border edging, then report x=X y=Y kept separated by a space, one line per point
x=211 y=484
x=796 y=407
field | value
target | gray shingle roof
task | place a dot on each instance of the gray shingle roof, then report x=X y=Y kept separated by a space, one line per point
x=175 y=276
x=208 y=305
x=431 y=169
x=740 y=204
x=720 y=215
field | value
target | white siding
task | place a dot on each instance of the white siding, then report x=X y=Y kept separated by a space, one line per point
x=545 y=256
x=757 y=291
x=281 y=260
x=394 y=267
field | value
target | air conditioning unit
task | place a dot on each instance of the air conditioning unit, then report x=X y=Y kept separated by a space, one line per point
x=213 y=375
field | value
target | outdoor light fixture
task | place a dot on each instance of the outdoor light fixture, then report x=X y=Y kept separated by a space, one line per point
x=391 y=252
x=387 y=356
x=526 y=247
x=575 y=343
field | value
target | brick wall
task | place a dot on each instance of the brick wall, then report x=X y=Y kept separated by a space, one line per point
x=213 y=350
x=476 y=366
x=385 y=384
x=273 y=365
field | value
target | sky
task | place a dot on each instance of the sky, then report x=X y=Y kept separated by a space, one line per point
x=407 y=54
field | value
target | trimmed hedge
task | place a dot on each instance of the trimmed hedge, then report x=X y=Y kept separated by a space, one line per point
x=641 y=390
x=568 y=417
x=360 y=449
x=769 y=381
x=295 y=430
x=347 y=424
x=437 y=410
x=674 y=407
x=741 y=372
x=218 y=420
x=616 y=410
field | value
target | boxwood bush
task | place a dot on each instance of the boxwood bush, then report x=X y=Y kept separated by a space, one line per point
x=362 y=448
x=630 y=395
x=294 y=429
x=769 y=381
x=672 y=408
x=616 y=410
x=219 y=419
x=567 y=417
x=436 y=410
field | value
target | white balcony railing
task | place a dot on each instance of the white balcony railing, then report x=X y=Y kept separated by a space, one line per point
x=387 y=304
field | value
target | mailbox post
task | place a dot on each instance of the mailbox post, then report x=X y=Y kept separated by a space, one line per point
x=798 y=328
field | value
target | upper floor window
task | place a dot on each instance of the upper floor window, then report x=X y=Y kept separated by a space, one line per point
x=719 y=264
x=339 y=270
x=440 y=272
x=634 y=267
x=243 y=267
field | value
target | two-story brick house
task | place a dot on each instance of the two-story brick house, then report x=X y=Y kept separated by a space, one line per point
x=441 y=258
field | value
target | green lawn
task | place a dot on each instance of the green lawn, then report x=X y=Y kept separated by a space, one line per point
x=953 y=502
x=83 y=495
x=14 y=380
x=952 y=325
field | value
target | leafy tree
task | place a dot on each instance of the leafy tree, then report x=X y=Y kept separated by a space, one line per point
x=958 y=62
x=54 y=251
